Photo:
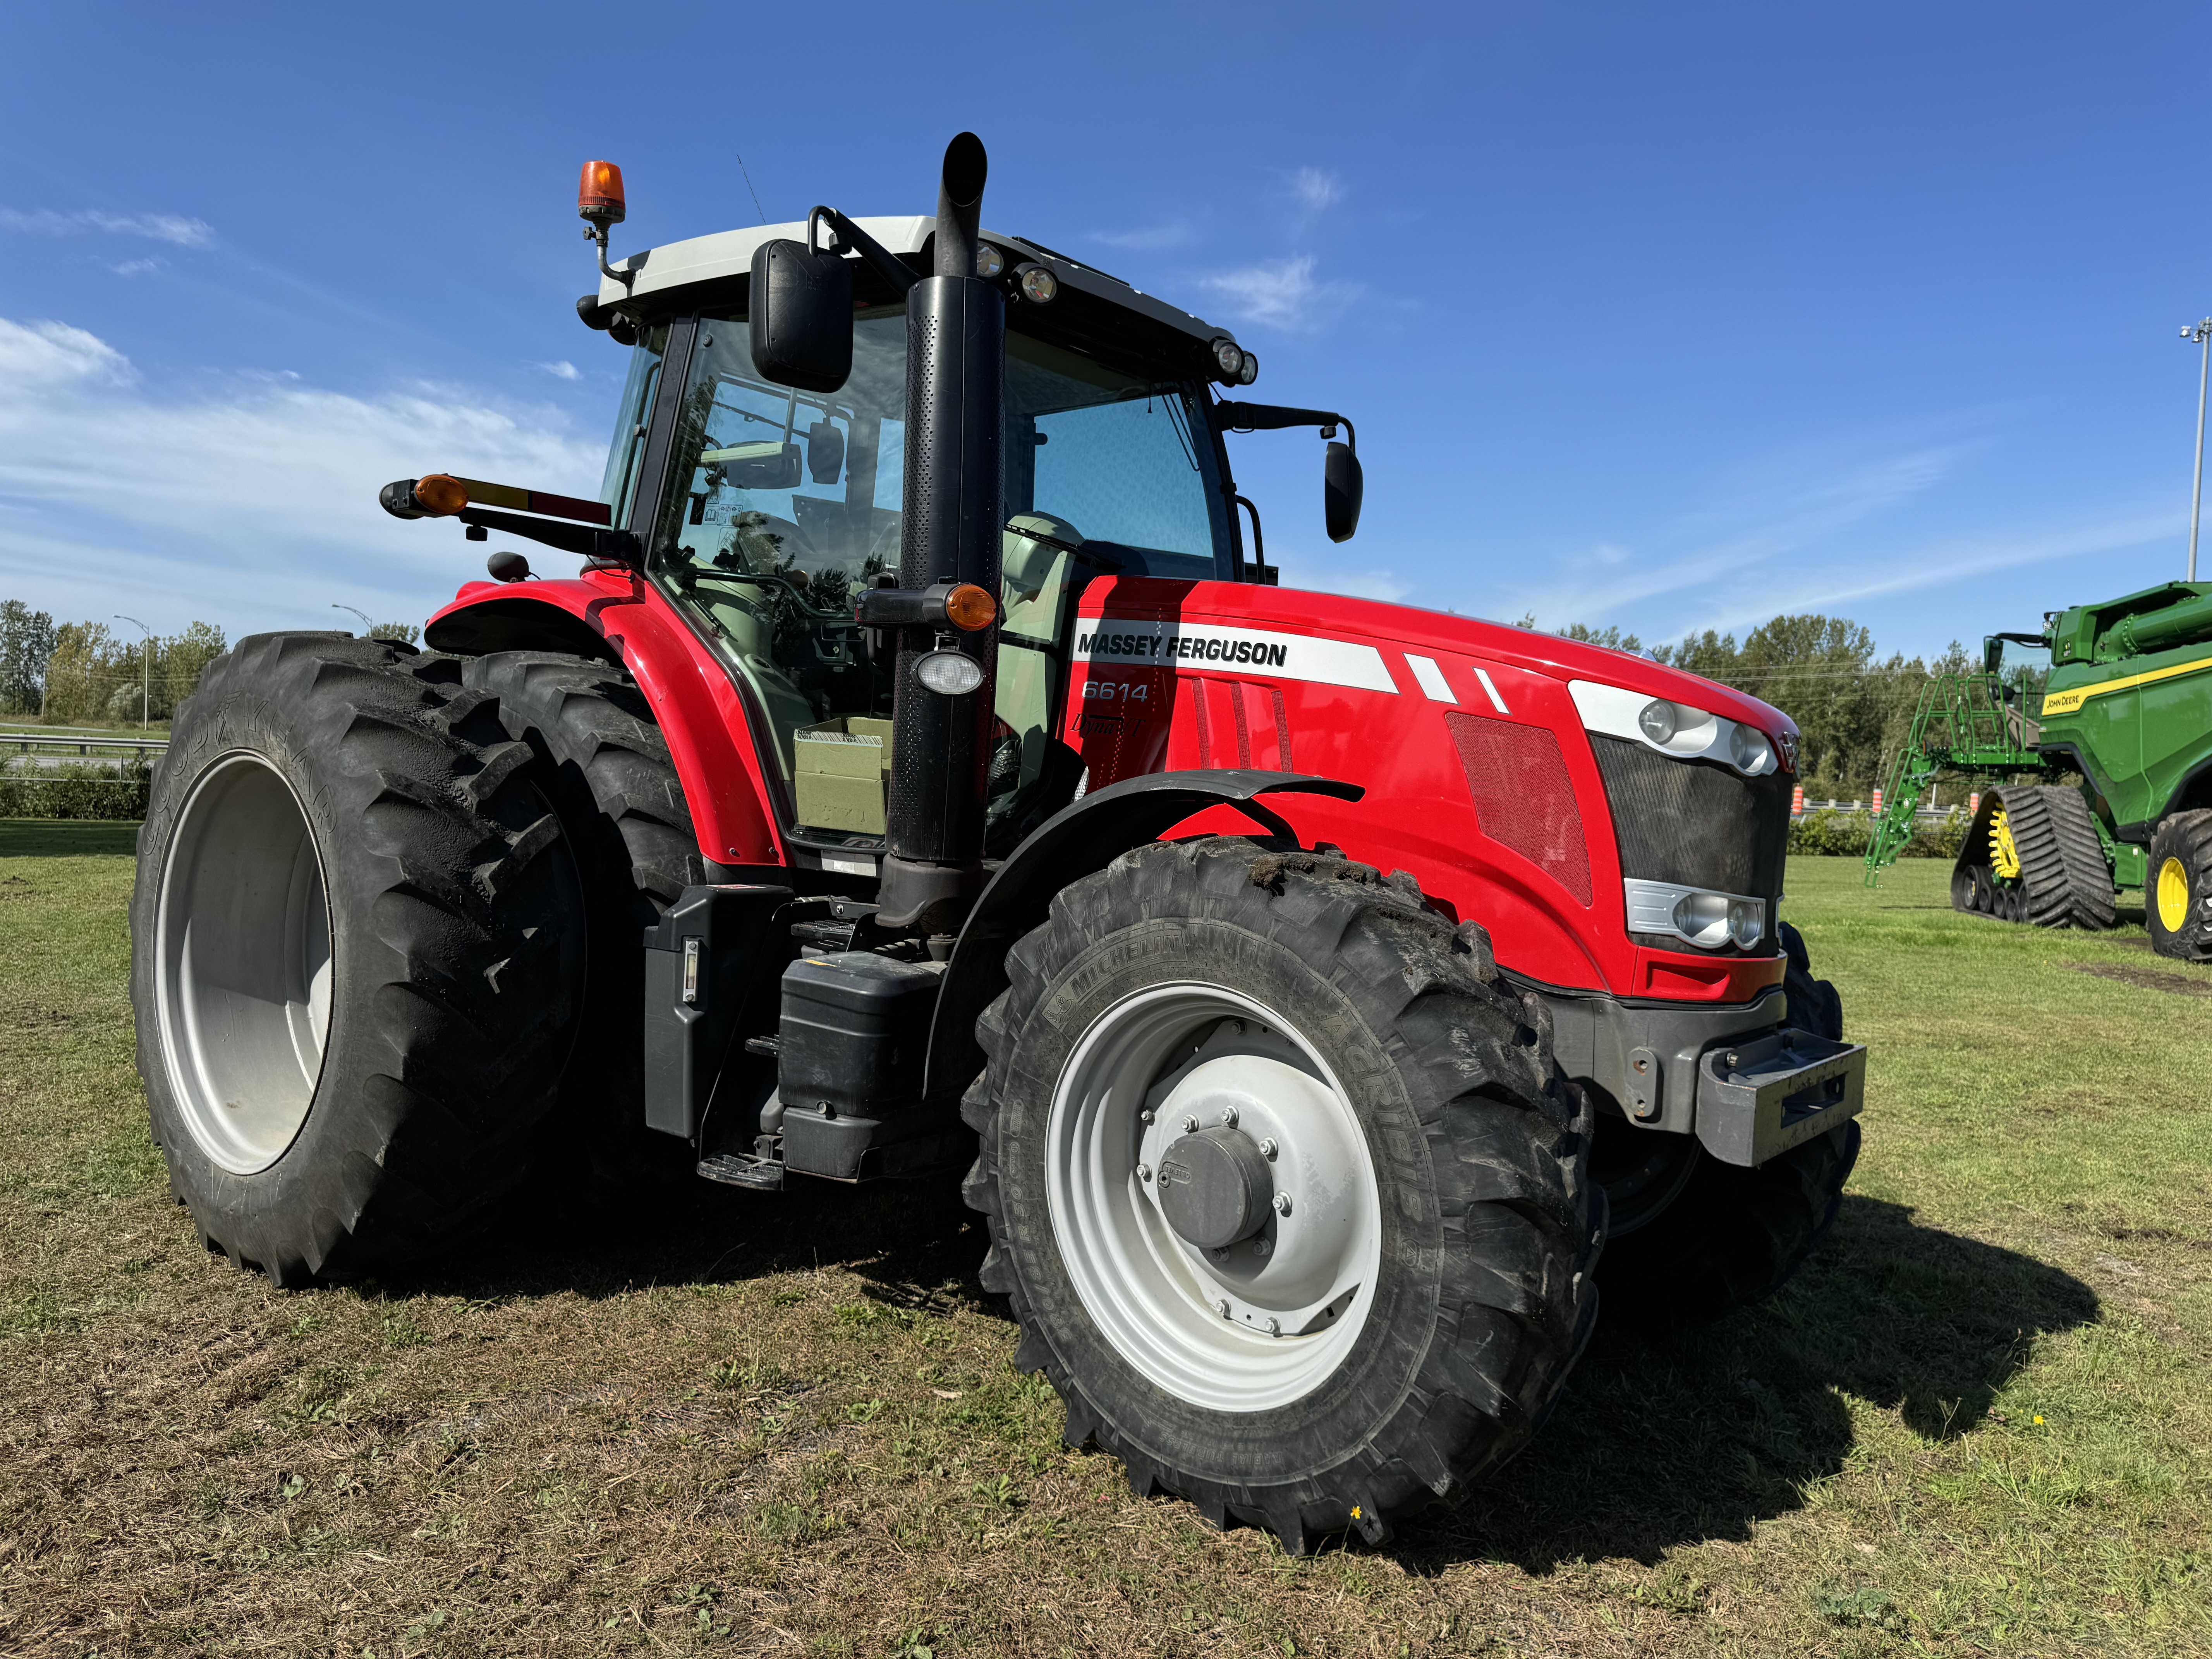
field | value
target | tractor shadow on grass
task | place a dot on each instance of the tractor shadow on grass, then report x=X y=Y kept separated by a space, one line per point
x=1700 y=1435
x=913 y=1243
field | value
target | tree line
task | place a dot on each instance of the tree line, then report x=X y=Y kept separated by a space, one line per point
x=88 y=673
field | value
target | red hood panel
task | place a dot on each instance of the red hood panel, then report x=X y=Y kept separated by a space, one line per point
x=1405 y=625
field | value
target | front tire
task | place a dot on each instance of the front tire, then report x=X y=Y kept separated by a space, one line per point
x=2177 y=897
x=1730 y=1237
x=1428 y=1223
x=355 y=963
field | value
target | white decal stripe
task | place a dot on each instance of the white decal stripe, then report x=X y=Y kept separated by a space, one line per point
x=1490 y=687
x=1432 y=678
x=1112 y=640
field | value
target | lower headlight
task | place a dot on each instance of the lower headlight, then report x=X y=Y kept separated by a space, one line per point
x=1704 y=920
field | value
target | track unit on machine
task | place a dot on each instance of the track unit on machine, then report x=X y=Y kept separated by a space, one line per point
x=924 y=777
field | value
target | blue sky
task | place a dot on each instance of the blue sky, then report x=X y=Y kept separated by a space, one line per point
x=1666 y=317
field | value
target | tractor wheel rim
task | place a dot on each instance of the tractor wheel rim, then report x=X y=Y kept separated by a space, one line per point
x=2173 y=895
x=242 y=963
x=1196 y=1322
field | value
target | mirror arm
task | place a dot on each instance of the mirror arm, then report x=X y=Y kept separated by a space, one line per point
x=1229 y=416
x=885 y=264
x=607 y=546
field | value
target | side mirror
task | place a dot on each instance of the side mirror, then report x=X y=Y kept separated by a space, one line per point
x=801 y=317
x=1340 y=491
x=825 y=453
x=768 y=465
x=1992 y=656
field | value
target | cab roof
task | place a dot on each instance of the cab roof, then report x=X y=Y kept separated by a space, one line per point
x=729 y=253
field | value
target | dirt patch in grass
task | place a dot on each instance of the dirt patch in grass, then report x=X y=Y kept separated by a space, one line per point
x=2146 y=979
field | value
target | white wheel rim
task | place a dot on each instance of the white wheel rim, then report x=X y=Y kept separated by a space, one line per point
x=1159 y=1299
x=242 y=963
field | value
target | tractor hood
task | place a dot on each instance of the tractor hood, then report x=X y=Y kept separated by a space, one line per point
x=1409 y=629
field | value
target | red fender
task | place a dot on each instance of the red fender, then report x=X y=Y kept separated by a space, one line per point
x=691 y=693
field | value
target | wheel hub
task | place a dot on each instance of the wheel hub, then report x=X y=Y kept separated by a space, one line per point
x=1213 y=1198
x=1216 y=1187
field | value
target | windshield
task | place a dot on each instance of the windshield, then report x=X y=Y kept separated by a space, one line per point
x=779 y=505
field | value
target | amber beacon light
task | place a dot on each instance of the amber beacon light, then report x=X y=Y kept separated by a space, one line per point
x=599 y=194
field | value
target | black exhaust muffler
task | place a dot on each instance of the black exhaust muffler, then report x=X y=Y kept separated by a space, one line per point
x=952 y=517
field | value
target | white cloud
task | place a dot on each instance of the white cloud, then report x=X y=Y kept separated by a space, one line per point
x=47 y=355
x=1149 y=236
x=1280 y=294
x=1319 y=574
x=137 y=267
x=1781 y=517
x=254 y=507
x=170 y=228
x=1315 y=190
x=563 y=370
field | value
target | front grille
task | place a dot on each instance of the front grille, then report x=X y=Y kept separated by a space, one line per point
x=1696 y=824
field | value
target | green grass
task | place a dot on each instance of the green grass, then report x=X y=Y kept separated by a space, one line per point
x=1978 y=1423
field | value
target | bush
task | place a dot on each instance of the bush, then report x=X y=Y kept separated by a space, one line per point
x=1832 y=834
x=76 y=791
x=1848 y=836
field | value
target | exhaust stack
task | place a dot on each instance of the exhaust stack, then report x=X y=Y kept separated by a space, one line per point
x=951 y=519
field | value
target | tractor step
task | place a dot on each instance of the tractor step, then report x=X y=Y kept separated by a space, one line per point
x=740 y=1169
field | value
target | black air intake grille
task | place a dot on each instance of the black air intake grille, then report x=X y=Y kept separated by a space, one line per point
x=1696 y=824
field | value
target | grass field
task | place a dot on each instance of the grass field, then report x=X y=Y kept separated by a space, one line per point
x=1980 y=1422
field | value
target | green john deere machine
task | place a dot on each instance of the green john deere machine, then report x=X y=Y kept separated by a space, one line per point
x=2096 y=738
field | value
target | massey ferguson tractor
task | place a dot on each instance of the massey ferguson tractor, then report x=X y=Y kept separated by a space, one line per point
x=921 y=773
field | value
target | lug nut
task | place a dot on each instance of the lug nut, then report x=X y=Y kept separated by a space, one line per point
x=1262 y=1246
x=1145 y=1116
x=1222 y=1308
x=1228 y=1115
x=1190 y=1126
x=1282 y=1203
x=1144 y=1172
x=1274 y=1327
x=1268 y=1149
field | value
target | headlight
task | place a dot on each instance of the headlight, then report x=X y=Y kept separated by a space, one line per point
x=989 y=262
x=1658 y=721
x=1705 y=920
x=1251 y=372
x=1230 y=357
x=1038 y=284
x=1748 y=747
x=1702 y=918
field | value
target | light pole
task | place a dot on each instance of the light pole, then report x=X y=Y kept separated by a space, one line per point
x=2201 y=334
x=146 y=679
x=365 y=624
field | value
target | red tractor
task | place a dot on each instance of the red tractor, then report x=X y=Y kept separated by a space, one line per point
x=924 y=772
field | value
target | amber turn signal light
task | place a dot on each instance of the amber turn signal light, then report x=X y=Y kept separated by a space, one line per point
x=599 y=193
x=970 y=608
x=440 y=494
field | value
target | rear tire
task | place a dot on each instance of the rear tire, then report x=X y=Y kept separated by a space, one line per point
x=2177 y=896
x=355 y=965
x=1732 y=1236
x=1436 y=1158
x=601 y=761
